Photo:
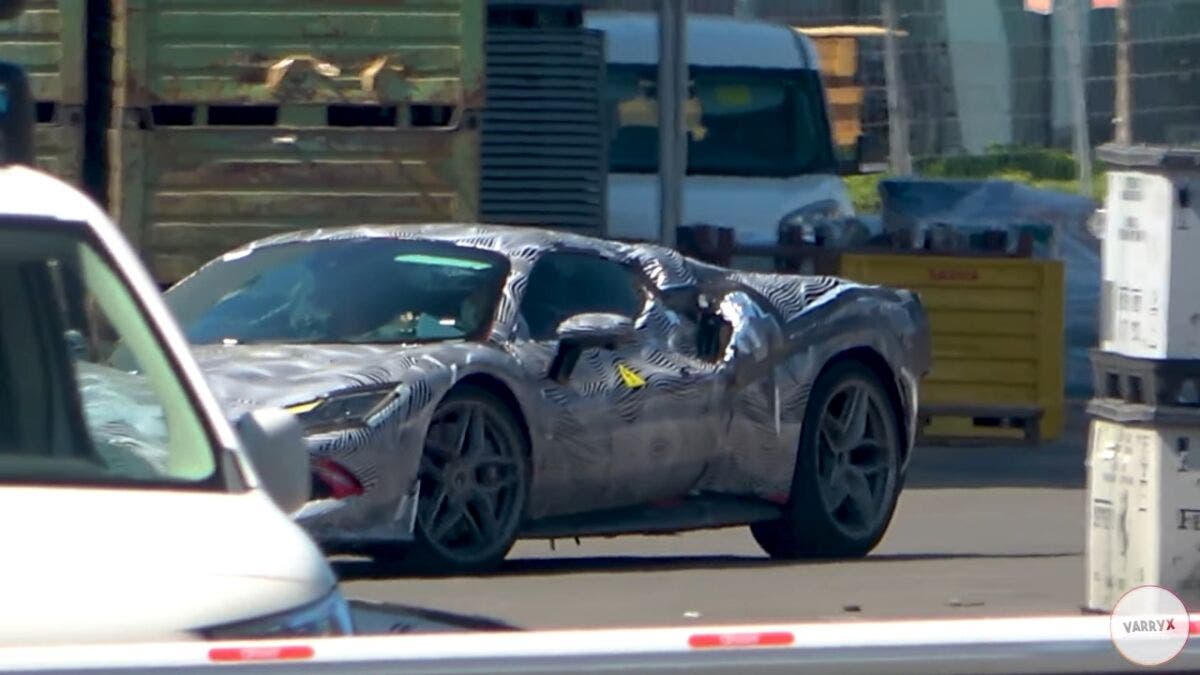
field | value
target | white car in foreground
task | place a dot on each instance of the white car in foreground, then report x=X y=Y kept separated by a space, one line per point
x=131 y=509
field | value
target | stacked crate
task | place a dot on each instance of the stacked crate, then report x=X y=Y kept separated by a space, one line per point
x=230 y=124
x=855 y=88
x=1143 y=476
x=47 y=40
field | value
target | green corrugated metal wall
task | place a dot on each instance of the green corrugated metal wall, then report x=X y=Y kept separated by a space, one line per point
x=48 y=40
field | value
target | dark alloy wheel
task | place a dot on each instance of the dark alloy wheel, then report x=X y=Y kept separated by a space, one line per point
x=847 y=478
x=474 y=485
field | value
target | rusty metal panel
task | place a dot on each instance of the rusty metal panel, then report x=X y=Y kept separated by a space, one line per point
x=299 y=51
x=235 y=119
x=545 y=152
x=59 y=144
x=187 y=194
x=48 y=41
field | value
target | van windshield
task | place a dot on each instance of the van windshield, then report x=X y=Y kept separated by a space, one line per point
x=741 y=122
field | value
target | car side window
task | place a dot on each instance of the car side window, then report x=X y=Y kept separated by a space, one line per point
x=94 y=396
x=563 y=284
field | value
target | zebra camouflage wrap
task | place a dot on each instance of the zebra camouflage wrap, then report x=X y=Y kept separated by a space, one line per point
x=657 y=418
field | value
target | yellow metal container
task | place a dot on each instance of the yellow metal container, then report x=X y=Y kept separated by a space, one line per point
x=838 y=55
x=997 y=330
x=845 y=95
x=846 y=130
x=845 y=109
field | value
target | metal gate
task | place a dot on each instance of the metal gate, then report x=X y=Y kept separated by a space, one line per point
x=545 y=152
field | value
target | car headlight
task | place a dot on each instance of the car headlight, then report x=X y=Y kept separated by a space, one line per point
x=342 y=410
x=812 y=220
x=328 y=617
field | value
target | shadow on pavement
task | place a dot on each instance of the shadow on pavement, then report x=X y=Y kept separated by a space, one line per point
x=1053 y=464
x=1046 y=466
x=357 y=570
x=380 y=618
x=368 y=569
x=913 y=557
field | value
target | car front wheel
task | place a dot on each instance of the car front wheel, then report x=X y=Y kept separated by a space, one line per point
x=474 y=485
x=847 y=477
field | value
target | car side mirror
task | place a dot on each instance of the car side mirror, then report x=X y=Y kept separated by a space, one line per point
x=275 y=445
x=1097 y=223
x=595 y=330
x=16 y=114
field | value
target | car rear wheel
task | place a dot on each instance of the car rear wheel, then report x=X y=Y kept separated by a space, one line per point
x=474 y=485
x=847 y=478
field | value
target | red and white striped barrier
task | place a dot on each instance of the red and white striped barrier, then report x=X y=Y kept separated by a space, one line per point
x=519 y=645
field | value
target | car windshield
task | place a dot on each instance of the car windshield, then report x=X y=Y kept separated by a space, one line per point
x=740 y=121
x=68 y=414
x=342 y=291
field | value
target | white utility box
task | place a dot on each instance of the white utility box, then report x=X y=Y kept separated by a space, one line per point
x=1143 y=511
x=1150 y=296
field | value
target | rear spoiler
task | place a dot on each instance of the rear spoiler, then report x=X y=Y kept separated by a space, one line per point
x=16 y=116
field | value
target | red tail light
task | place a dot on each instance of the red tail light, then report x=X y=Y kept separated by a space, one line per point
x=334 y=480
x=767 y=639
x=267 y=653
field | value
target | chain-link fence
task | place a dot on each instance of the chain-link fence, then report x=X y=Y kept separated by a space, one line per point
x=982 y=73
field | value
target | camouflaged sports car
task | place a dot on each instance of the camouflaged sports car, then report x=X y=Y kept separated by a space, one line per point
x=463 y=386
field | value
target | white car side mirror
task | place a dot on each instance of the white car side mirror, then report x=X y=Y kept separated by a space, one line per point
x=1097 y=223
x=275 y=445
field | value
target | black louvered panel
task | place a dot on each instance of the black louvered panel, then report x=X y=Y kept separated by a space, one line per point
x=545 y=153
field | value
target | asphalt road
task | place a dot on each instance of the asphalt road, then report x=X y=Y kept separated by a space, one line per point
x=986 y=530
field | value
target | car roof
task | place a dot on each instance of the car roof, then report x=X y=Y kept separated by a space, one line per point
x=667 y=267
x=30 y=192
x=632 y=37
x=502 y=238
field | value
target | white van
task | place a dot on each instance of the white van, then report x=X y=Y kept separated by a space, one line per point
x=760 y=150
x=131 y=509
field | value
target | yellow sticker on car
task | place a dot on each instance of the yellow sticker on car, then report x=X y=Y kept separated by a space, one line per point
x=307 y=406
x=629 y=377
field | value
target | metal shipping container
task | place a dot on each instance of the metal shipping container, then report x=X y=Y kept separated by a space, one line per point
x=48 y=41
x=234 y=120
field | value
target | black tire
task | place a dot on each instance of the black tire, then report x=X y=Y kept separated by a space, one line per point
x=460 y=486
x=812 y=528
